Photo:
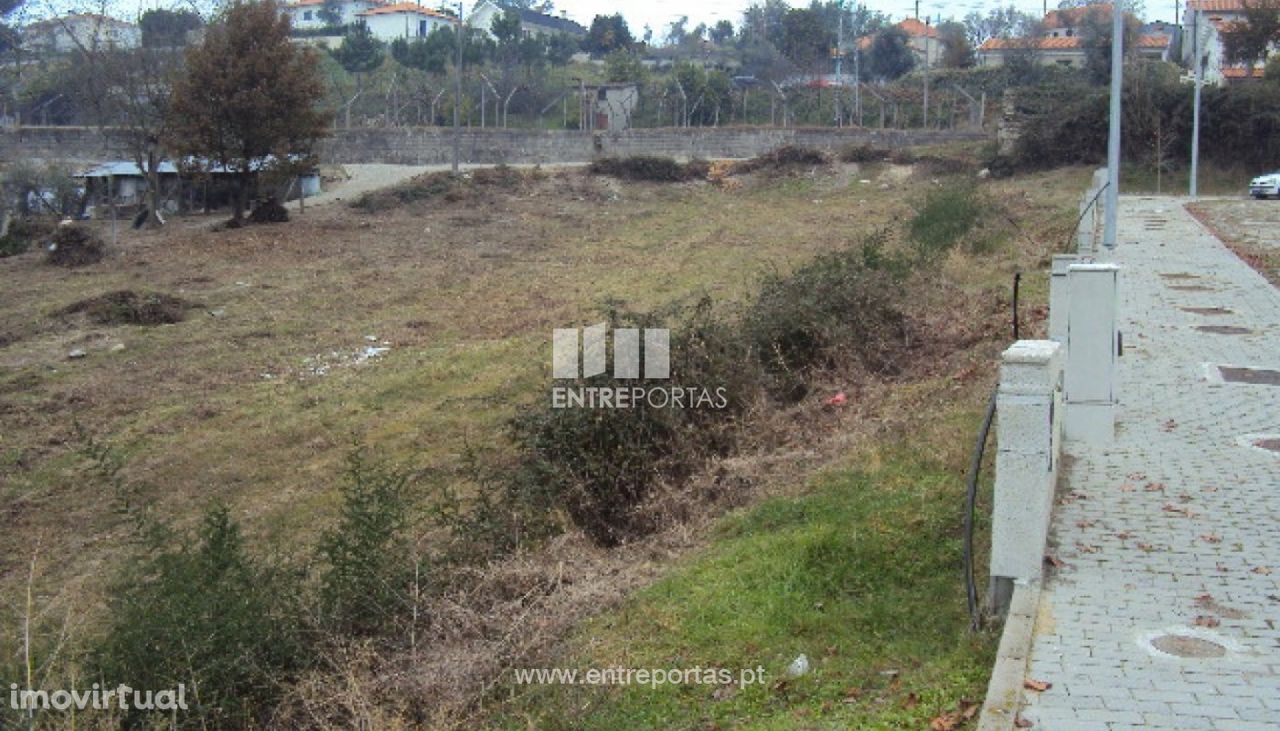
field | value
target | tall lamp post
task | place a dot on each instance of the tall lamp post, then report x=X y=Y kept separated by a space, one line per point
x=1113 y=139
x=457 y=96
x=1195 y=114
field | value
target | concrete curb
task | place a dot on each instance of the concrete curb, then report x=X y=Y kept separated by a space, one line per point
x=1004 y=691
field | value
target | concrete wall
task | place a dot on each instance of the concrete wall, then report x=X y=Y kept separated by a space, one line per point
x=434 y=145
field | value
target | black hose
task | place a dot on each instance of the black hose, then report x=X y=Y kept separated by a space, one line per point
x=975 y=468
x=971 y=501
x=1017 y=282
x=1092 y=201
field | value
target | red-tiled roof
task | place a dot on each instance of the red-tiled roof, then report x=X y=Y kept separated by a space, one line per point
x=1062 y=43
x=407 y=8
x=1216 y=6
x=914 y=27
x=1240 y=72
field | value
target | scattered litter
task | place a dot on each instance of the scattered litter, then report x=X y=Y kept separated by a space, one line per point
x=798 y=666
x=319 y=365
x=77 y=353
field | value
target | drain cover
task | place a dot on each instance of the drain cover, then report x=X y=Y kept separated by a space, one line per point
x=1224 y=329
x=1191 y=288
x=1257 y=376
x=1186 y=646
x=1179 y=275
x=1207 y=310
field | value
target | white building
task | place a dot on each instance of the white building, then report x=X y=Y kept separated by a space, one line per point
x=1060 y=42
x=532 y=22
x=88 y=31
x=307 y=15
x=403 y=20
x=1205 y=21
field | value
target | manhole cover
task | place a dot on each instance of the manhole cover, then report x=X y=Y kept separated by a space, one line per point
x=1179 y=275
x=1207 y=310
x=1257 y=376
x=1191 y=288
x=1224 y=329
x=1185 y=646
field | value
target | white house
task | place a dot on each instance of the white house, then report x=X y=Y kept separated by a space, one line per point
x=532 y=22
x=1060 y=42
x=1206 y=20
x=403 y=20
x=81 y=30
x=306 y=14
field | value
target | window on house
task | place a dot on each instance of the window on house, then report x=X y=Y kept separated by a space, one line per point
x=306 y=15
x=422 y=27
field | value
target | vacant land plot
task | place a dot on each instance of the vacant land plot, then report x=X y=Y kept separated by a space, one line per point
x=1250 y=227
x=417 y=329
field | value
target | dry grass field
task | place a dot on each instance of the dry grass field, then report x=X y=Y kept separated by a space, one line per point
x=417 y=330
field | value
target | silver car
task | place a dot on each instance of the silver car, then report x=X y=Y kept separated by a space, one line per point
x=1265 y=185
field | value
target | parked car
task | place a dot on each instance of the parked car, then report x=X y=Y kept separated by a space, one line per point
x=1265 y=185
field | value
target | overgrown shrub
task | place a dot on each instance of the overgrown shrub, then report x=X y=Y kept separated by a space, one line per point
x=444 y=185
x=23 y=235
x=127 y=307
x=205 y=615
x=366 y=576
x=842 y=305
x=649 y=168
x=269 y=211
x=74 y=246
x=783 y=159
x=862 y=153
x=946 y=216
x=599 y=464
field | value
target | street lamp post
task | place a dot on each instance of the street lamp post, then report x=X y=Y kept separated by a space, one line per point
x=1113 y=139
x=1195 y=114
x=457 y=96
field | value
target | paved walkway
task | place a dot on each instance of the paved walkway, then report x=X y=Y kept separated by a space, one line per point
x=1174 y=528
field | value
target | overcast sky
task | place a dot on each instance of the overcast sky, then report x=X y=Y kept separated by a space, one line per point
x=658 y=14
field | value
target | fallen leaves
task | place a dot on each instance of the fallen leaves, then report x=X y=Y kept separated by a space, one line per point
x=1020 y=722
x=1205 y=620
x=1154 y=487
x=1054 y=561
x=1086 y=548
x=1084 y=524
x=1263 y=570
x=951 y=720
x=1169 y=425
x=1211 y=538
x=1179 y=510
x=1038 y=686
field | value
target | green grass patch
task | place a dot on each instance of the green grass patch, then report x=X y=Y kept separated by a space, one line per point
x=862 y=575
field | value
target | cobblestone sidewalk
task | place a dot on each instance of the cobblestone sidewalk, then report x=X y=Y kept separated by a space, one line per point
x=1163 y=613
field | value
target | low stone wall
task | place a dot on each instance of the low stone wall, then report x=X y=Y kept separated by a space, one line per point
x=434 y=145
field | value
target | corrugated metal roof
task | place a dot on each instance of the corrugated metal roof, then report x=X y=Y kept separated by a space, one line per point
x=125 y=168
